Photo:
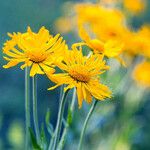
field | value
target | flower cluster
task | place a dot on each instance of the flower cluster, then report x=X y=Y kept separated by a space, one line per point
x=42 y=52
x=105 y=34
x=83 y=73
x=105 y=28
x=109 y=23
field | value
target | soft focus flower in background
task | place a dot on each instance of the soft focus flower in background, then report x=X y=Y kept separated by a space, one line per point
x=142 y=73
x=63 y=25
x=110 y=48
x=134 y=6
x=99 y=20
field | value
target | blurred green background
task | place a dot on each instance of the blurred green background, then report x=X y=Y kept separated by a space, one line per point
x=120 y=124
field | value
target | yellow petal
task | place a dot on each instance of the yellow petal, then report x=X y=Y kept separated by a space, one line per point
x=79 y=95
x=122 y=62
x=68 y=87
x=10 y=64
x=54 y=87
x=86 y=94
x=47 y=68
x=23 y=66
x=83 y=34
x=35 y=69
x=27 y=63
x=113 y=48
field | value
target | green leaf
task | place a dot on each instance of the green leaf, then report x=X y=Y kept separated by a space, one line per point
x=33 y=140
x=50 y=129
x=47 y=117
x=43 y=138
x=48 y=124
x=69 y=117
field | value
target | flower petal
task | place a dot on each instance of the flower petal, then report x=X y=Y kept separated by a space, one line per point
x=35 y=69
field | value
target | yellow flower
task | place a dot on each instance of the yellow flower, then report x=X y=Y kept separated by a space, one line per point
x=36 y=50
x=83 y=73
x=105 y=2
x=110 y=49
x=142 y=38
x=105 y=23
x=138 y=42
x=63 y=25
x=141 y=73
x=135 y=6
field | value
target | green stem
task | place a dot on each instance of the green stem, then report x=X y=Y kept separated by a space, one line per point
x=73 y=100
x=27 y=107
x=85 y=124
x=52 y=136
x=59 y=120
x=51 y=142
x=35 y=114
x=65 y=131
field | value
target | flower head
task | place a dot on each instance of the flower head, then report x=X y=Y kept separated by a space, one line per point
x=141 y=73
x=110 y=49
x=105 y=23
x=138 y=42
x=36 y=50
x=83 y=73
x=134 y=6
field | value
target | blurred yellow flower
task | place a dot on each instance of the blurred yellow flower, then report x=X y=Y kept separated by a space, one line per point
x=108 y=1
x=63 y=25
x=36 y=50
x=106 y=23
x=83 y=73
x=110 y=24
x=110 y=48
x=137 y=42
x=141 y=73
x=143 y=38
x=134 y=6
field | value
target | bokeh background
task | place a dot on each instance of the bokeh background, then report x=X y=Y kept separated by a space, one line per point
x=122 y=123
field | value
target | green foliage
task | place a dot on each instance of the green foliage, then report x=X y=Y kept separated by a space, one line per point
x=69 y=117
x=44 y=143
x=49 y=126
x=47 y=117
x=34 y=141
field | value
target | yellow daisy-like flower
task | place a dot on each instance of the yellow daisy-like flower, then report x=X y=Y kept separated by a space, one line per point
x=83 y=73
x=110 y=49
x=98 y=18
x=141 y=73
x=135 y=6
x=36 y=50
x=137 y=42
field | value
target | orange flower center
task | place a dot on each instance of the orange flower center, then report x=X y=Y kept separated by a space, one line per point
x=112 y=34
x=36 y=57
x=79 y=73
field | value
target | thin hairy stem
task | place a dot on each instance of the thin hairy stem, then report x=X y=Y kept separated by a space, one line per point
x=59 y=120
x=27 y=107
x=86 y=123
x=35 y=114
x=65 y=131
